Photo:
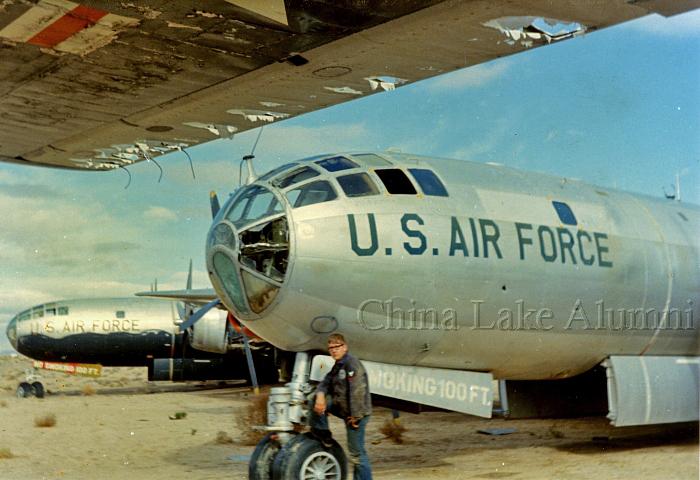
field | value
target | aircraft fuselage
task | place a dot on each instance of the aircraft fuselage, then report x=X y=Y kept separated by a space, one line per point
x=524 y=275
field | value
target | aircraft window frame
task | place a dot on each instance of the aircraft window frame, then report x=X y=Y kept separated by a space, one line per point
x=25 y=315
x=50 y=312
x=368 y=159
x=273 y=173
x=295 y=202
x=290 y=179
x=429 y=182
x=38 y=312
x=63 y=310
x=337 y=164
x=260 y=291
x=374 y=190
x=399 y=174
x=268 y=208
x=565 y=213
x=247 y=199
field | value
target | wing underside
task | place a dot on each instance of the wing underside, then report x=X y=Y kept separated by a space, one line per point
x=106 y=84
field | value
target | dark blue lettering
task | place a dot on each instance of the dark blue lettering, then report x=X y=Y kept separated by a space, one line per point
x=566 y=246
x=491 y=238
x=412 y=217
x=586 y=260
x=601 y=249
x=547 y=257
x=374 y=243
x=457 y=239
x=522 y=241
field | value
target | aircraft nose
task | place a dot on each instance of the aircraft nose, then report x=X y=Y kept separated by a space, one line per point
x=223 y=256
x=12 y=332
x=247 y=251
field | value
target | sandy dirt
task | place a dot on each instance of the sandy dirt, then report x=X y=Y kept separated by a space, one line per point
x=120 y=427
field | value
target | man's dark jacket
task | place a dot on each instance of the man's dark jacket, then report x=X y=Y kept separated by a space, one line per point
x=348 y=387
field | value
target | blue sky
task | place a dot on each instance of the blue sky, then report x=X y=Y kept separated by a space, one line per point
x=618 y=108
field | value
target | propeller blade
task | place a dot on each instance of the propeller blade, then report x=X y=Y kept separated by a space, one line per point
x=199 y=314
x=214 y=201
x=188 y=286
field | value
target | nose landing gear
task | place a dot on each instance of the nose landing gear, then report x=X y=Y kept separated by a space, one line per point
x=286 y=455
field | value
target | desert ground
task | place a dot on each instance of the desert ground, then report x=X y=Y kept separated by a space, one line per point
x=119 y=426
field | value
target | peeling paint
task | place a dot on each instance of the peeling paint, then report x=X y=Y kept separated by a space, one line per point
x=347 y=90
x=271 y=104
x=258 y=115
x=180 y=25
x=146 y=12
x=527 y=30
x=218 y=129
x=201 y=13
x=386 y=82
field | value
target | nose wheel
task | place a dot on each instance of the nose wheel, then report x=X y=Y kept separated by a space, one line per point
x=300 y=458
x=305 y=458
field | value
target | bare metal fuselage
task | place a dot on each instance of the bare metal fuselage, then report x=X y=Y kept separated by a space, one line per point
x=490 y=278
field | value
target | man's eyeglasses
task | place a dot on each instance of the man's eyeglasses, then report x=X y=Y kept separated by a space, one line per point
x=335 y=347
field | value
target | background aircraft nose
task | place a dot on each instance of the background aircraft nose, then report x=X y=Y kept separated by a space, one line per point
x=12 y=332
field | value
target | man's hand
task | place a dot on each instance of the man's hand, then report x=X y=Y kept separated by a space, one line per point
x=320 y=405
x=352 y=422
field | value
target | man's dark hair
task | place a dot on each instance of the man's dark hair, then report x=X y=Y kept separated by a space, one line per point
x=336 y=337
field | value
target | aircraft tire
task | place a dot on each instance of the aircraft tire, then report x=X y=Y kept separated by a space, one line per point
x=37 y=389
x=304 y=456
x=24 y=390
x=260 y=465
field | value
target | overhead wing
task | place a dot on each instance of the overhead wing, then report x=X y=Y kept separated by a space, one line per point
x=107 y=84
x=198 y=296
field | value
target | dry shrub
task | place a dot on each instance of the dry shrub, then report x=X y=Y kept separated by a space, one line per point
x=254 y=414
x=6 y=453
x=88 y=390
x=393 y=430
x=223 y=438
x=48 y=420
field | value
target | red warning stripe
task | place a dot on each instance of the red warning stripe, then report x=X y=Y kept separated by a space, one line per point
x=71 y=23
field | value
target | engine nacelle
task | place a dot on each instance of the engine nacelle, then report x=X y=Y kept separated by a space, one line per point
x=210 y=334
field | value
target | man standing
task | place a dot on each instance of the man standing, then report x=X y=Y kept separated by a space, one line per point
x=344 y=392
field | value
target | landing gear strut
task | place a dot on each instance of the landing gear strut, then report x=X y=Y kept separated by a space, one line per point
x=284 y=454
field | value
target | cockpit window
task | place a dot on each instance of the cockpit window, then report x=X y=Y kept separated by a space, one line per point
x=372 y=160
x=396 y=181
x=429 y=182
x=63 y=310
x=253 y=203
x=50 y=312
x=296 y=176
x=336 y=164
x=357 y=185
x=277 y=170
x=38 y=312
x=311 y=193
x=24 y=316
